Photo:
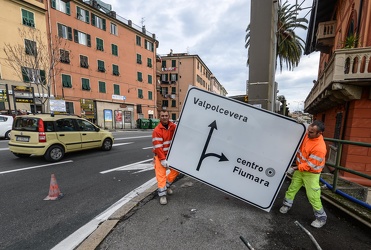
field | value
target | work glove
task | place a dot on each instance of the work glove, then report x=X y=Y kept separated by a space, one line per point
x=164 y=163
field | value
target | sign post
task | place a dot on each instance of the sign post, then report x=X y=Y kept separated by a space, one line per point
x=235 y=147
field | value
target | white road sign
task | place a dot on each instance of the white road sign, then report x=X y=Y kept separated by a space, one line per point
x=237 y=148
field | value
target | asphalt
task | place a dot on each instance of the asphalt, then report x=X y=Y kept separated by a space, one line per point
x=198 y=216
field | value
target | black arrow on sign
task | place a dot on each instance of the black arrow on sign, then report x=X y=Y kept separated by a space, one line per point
x=203 y=155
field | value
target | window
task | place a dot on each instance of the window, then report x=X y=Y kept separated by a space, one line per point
x=163 y=65
x=64 y=32
x=115 y=70
x=138 y=40
x=164 y=90
x=82 y=15
x=69 y=108
x=101 y=67
x=84 y=62
x=139 y=76
x=173 y=103
x=82 y=38
x=173 y=63
x=149 y=62
x=139 y=59
x=85 y=84
x=33 y=75
x=99 y=43
x=28 y=18
x=98 y=22
x=173 y=90
x=64 y=56
x=173 y=116
x=62 y=6
x=30 y=47
x=66 y=81
x=165 y=103
x=114 y=29
x=150 y=79
x=140 y=93
x=102 y=87
x=116 y=89
x=173 y=77
x=148 y=45
x=165 y=78
x=115 y=50
x=150 y=95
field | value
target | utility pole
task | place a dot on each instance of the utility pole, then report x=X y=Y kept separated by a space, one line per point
x=262 y=53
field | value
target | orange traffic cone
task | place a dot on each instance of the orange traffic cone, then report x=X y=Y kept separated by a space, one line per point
x=54 y=193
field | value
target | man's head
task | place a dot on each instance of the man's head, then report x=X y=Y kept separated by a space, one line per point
x=164 y=117
x=315 y=129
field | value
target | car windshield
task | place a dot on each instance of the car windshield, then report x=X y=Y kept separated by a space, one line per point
x=25 y=124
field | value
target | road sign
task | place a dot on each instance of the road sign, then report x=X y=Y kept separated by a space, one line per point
x=235 y=147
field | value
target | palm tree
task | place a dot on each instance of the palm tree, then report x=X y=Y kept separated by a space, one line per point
x=289 y=46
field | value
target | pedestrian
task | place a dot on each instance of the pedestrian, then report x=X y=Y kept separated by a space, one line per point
x=161 y=140
x=310 y=160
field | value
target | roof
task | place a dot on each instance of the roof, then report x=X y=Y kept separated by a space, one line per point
x=322 y=11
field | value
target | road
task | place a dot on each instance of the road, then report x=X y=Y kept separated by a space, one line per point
x=89 y=180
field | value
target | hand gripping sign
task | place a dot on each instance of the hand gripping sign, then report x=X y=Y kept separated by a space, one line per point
x=232 y=146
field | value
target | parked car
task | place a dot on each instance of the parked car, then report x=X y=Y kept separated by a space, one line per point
x=52 y=136
x=6 y=122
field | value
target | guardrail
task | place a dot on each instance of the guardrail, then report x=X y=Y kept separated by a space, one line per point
x=337 y=166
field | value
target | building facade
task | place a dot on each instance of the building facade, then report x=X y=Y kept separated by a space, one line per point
x=341 y=96
x=21 y=22
x=176 y=72
x=107 y=68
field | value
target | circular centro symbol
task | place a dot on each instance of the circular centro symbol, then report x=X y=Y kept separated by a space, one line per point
x=270 y=172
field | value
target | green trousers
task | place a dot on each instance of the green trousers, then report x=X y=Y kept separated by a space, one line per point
x=311 y=183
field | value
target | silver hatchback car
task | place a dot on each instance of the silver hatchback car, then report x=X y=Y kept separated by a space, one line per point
x=6 y=122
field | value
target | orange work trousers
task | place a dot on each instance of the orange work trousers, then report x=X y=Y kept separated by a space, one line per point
x=163 y=181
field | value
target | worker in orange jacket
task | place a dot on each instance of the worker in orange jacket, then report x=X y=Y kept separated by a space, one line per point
x=161 y=140
x=310 y=160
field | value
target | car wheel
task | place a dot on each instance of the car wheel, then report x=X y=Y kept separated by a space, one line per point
x=22 y=155
x=7 y=135
x=54 y=153
x=107 y=144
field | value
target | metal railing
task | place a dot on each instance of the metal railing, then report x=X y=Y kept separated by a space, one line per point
x=337 y=166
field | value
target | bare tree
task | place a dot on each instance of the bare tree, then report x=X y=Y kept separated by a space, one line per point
x=35 y=61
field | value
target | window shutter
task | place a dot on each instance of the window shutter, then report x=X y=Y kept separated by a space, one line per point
x=92 y=19
x=69 y=33
x=68 y=9
x=53 y=4
x=25 y=74
x=60 y=31
x=42 y=77
x=88 y=39
x=87 y=16
x=78 y=12
x=104 y=24
x=76 y=36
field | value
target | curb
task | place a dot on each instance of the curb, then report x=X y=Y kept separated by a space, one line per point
x=99 y=234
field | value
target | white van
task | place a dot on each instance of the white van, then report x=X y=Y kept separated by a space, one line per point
x=6 y=122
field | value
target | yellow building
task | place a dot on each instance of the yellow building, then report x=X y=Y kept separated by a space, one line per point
x=28 y=17
x=175 y=73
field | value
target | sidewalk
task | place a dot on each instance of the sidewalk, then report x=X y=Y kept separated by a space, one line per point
x=198 y=216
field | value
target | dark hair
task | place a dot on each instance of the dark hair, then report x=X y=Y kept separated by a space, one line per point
x=164 y=111
x=319 y=124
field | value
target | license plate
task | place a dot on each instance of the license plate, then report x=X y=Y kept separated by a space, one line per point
x=23 y=138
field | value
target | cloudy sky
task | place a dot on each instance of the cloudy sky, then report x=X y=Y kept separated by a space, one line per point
x=215 y=31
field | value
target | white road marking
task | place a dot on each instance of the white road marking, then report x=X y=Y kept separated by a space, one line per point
x=3 y=149
x=148 y=147
x=72 y=241
x=120 y=144
x=127 y=167
x=40 y=166
x=136 y=137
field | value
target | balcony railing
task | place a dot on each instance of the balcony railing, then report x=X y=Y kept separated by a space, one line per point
x=325 y=36
x=350 y=65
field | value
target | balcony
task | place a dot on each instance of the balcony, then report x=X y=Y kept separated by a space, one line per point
x=325 y=36
x=342 y=79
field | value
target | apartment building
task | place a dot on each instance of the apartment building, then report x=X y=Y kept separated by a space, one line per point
x=176 y=72
x=107 y=69
x=20 y=22
x=341 y=95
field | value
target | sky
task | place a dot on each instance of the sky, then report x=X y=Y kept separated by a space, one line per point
x=215 y=30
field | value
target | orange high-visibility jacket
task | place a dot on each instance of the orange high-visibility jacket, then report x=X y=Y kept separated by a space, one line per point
x=312 y=155
x=161 y=139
